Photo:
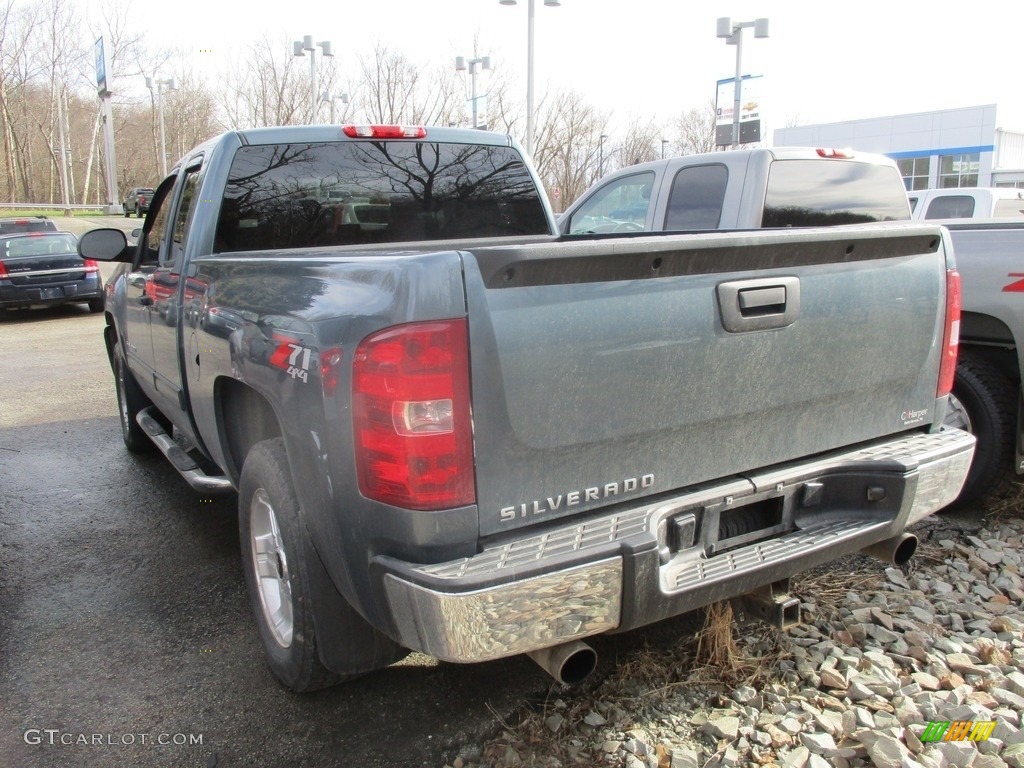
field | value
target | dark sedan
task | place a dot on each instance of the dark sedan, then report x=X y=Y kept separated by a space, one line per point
x=44 y=268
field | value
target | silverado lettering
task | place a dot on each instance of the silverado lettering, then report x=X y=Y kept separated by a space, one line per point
x=572 y=498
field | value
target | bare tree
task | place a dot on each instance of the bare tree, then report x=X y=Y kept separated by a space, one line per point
x=567 y=146
x=396 y=91
x=694 y=130
x=17 y=26
x=641 y=142
x=265 y=88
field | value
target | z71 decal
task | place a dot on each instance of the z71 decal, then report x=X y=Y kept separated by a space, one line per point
x=293 y=359
x=1017 y=286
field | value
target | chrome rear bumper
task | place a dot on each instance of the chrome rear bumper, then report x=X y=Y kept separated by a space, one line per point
x=629 y=568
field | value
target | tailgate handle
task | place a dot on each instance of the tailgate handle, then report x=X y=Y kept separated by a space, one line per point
x=762 y=301
x=758 y=304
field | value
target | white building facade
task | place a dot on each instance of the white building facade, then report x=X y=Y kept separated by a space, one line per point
x=949 y=148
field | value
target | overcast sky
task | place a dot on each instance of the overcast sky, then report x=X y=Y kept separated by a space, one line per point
x=823 y=61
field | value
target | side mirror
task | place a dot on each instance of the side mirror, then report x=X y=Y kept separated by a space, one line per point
x=105 y=245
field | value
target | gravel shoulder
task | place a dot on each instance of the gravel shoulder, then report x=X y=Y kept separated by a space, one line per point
x=882 y=652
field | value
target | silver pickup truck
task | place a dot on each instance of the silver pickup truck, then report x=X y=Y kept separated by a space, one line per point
x=987 y=397
x=452 y=430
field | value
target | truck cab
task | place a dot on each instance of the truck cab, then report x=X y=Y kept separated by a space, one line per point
x=967 y=203
x=746 y=189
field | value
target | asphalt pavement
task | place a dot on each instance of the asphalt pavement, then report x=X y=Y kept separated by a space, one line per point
x=126 y=635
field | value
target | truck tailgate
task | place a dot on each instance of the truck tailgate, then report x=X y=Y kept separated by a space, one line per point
x=605 y=371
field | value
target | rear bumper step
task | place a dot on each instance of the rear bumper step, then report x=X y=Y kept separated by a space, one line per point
x=185 y=464
x=651 y=561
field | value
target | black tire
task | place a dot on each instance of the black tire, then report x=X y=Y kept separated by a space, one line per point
x=985 y=404
x=130 y=400
x=96 y=305
x=139 y=214
x=268 y=512
x=127 y=213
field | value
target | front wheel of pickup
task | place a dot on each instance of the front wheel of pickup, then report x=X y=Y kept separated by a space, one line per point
x=130 y=400
x=983 y=404
x=280 y=577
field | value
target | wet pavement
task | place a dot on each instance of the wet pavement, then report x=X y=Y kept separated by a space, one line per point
x=126 y=635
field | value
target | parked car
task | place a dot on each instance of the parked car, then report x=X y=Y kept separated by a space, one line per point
x=43 y=268
x=137 y=201
x=14 y=224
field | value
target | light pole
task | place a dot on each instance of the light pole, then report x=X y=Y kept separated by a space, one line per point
x=600 y=155
x=732 y=32
x=299 y=48
x=529 y=67
x=460 y=66
x=663 y=143
x=328 y=97
x=171 y=86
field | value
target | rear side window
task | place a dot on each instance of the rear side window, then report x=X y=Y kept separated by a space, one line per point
x=344 y=193
x=695 y=201
x=809 y=193
x=951 y=207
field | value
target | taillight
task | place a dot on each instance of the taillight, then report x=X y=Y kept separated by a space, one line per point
x=91 y=265
x=3 y=270
x=385 y=131
x=951 y=336
x=411 y=413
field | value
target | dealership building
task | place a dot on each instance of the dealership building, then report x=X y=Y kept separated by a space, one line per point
x=962 y=147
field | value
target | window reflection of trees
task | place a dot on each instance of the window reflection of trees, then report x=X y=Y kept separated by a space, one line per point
x=302 y=195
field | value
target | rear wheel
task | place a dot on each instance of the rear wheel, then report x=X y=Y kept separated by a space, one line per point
x=130 y=400
x=96 y=305
x=280 y=576
x=983 y=403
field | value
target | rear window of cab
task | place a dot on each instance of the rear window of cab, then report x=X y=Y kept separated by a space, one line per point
x=809 y=193
x=282 y=196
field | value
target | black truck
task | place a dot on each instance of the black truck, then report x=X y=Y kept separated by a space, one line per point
x=137 y=201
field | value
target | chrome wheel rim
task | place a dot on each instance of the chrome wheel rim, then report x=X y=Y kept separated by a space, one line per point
x=956 y=415
x=271 y=565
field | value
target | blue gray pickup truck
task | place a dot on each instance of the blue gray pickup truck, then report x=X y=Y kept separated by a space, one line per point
x=452 y=429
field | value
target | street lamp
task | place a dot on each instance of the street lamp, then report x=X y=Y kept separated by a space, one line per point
x=171 y=85
x=529 y=67
x=663 y=143
x=299 y=47
x=461 y=65
x=332 y=99
x=600 y=155
x=732 y=32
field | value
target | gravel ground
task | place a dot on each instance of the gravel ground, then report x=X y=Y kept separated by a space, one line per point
x=882 y=652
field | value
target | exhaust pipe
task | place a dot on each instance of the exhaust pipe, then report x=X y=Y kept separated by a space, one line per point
x=896 y=551
x=569 y=664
